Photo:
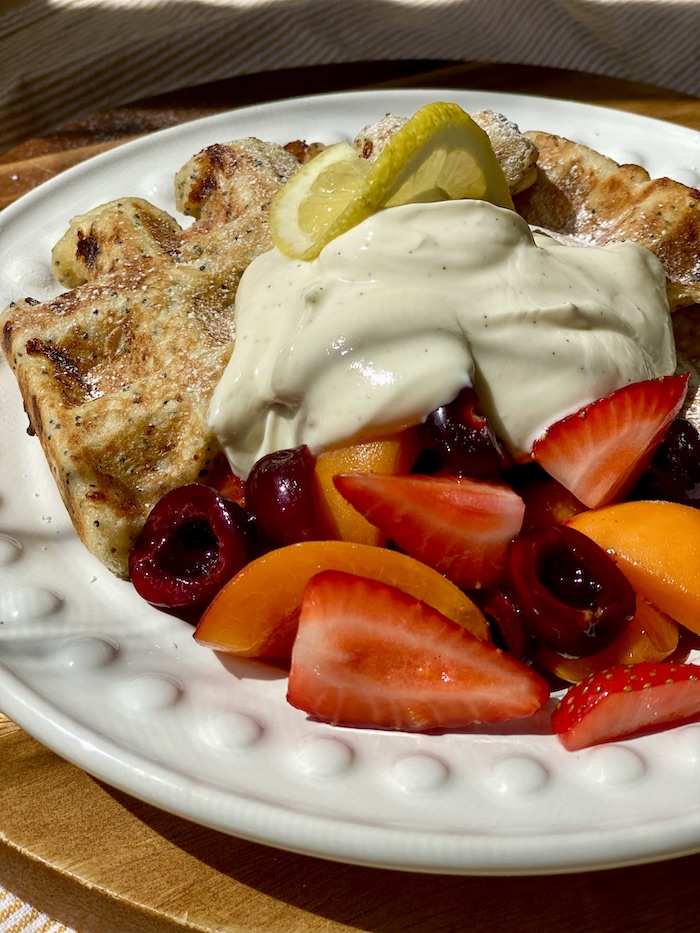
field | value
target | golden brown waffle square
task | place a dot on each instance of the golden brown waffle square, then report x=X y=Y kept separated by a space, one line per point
x=117 y=373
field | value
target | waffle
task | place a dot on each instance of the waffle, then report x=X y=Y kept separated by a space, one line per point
x=117 y=373
x=585 y=195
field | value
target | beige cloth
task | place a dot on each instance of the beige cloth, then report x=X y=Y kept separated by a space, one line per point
x=17 y=917
x=63 y=59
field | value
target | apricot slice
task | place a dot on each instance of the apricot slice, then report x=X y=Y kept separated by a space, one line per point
x=657 y=546
x=395 y=454
x=256 y=613
x=650 y=636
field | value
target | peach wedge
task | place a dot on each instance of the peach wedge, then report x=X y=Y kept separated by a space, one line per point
x=395 y=454
x=256 y=613
x=657 y=546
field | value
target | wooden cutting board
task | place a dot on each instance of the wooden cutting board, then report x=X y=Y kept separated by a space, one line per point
x=99 y=860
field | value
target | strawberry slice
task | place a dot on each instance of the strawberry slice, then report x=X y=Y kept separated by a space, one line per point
x=628 y=700
x=458 y=526
x=220 y=477
x=599 y=452
x=368 y=654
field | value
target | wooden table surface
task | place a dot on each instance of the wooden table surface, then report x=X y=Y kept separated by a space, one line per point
x=100 y=861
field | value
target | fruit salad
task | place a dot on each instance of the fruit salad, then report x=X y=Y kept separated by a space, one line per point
x=467 y=550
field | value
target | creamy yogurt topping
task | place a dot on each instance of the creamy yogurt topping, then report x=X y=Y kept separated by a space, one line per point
x=400 y=313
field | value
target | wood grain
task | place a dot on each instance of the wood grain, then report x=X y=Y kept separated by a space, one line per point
x=102 y=862
x=22 y=175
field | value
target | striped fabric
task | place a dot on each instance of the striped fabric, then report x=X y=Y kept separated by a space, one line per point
x=63 y=59
x=17 y=917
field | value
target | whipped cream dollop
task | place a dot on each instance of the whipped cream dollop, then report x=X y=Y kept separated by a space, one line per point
x=400 y=313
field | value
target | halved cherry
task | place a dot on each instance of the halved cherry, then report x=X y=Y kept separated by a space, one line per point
x=461 y=434
x=220 y=477
x=650 y=636
x=574 y=599
x=674 y=473
x=279 y=494
x=232 y=487
x=193 y=541
x=506 y=621
x=547 y=501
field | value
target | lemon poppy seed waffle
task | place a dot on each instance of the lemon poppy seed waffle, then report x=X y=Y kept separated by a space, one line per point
x=116 y=374
x=585 y=195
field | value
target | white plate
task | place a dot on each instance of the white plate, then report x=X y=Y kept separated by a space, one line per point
x=124 y=692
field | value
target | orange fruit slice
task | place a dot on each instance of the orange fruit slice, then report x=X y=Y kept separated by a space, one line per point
x=256 y=613
x=657 y=547
x=395 y=454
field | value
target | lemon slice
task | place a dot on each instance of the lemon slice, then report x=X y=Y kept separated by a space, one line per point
x=439 y=154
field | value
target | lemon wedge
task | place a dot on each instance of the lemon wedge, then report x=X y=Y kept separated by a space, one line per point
x=439 y=154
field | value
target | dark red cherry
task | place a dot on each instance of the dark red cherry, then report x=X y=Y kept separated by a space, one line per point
x=279 y=494
x=194 y=540
x=508 y=627
x=461 y=434
x=574 y=598
x=674 y=473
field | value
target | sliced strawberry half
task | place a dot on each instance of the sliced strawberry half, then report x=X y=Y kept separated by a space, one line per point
x=368 y=654
x=459 y=526
x=599 y=452
x=221 y=478
x=625 y=701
